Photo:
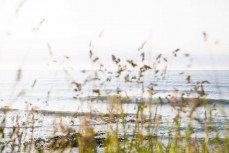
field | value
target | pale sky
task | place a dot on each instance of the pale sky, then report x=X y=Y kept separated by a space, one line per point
x=69 y=25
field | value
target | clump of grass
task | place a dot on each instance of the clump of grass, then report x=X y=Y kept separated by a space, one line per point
x=138 y=132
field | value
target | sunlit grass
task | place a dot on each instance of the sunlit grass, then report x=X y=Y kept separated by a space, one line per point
x=138 y=133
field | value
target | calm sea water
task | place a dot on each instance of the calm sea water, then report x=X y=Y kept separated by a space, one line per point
x=56 y=88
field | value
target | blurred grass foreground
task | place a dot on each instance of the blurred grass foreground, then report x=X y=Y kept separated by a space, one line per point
x=124 y=113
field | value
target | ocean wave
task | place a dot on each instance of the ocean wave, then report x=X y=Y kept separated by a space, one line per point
x=160 y=98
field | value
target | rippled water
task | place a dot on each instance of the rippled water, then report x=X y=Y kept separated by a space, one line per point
x=56 y=87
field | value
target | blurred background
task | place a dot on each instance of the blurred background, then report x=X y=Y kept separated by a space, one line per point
x=43 y=40
x=34 y=31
